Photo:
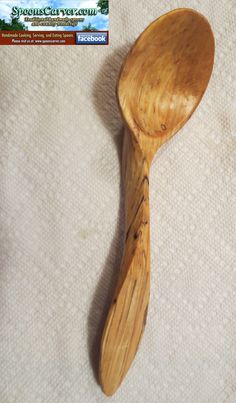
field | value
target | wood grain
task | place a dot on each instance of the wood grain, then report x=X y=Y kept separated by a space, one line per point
x=161 y=83
x=127 y=315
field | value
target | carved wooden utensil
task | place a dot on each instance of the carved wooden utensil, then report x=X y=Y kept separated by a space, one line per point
x=161 y=83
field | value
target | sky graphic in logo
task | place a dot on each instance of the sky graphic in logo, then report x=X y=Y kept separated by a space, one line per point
x=92 y=38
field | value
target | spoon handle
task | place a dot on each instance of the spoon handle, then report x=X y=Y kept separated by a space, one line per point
x=127 y=315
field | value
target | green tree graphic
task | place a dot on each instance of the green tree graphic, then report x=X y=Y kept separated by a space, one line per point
x=103 y=6
x=14 y=25
x=89 y=27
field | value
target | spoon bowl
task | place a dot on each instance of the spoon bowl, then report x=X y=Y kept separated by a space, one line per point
x=161 y=83
x=166 y=74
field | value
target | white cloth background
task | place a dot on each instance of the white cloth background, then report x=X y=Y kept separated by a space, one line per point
x=61 y=224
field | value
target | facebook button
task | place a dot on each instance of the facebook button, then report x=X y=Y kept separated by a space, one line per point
x=92 y=38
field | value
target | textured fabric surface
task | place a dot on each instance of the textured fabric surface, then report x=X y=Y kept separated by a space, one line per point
x=61 y=224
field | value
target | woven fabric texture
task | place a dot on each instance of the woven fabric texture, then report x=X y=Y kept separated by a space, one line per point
x=61 y=224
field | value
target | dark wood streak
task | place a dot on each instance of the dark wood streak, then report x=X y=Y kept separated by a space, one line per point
x=139 y=205
x=145 y=316
x=145 y=178
x=137 y=234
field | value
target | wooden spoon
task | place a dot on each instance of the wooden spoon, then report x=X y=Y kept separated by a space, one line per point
x=161 y=83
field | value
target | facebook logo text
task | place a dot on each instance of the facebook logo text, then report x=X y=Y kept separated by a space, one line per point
x=92 y=38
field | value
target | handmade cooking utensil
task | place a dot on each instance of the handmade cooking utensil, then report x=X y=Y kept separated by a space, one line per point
x=161 y=83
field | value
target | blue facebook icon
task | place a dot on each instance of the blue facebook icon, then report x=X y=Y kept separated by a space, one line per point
x=92 y=38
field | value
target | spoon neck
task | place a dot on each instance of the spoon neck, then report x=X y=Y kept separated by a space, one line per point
x=138 y=148
x=135 y=167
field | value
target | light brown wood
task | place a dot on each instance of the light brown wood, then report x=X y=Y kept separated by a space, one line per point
x=161 y=83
